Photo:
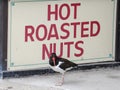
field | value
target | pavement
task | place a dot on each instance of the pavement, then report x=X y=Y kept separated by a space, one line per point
x=95 y=79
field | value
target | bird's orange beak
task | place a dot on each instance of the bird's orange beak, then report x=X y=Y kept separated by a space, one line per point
x=53 y=60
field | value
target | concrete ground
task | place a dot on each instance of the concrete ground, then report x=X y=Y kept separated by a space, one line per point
x=96 y=79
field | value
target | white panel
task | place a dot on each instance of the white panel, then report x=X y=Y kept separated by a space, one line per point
x=83 y=31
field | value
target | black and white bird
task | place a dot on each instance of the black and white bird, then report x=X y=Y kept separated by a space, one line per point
x=60 y=65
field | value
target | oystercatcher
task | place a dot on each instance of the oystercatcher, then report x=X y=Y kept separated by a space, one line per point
x=60 y=65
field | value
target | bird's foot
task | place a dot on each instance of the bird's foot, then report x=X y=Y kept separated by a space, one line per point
x=59 y=84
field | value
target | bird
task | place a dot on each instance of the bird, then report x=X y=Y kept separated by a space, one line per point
x=60 y=65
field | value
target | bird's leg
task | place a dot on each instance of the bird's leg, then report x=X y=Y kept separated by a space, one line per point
x=62 y=80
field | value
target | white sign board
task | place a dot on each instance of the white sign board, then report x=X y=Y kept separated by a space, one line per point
x=82 y=31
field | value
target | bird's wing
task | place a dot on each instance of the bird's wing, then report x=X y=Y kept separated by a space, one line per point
x=66 y=63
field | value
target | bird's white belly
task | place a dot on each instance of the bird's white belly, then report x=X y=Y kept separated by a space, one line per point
x=57 y=68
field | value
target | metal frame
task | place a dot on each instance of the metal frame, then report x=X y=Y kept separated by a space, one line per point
x=3 y=33
x=3 y=47
x=117 y=54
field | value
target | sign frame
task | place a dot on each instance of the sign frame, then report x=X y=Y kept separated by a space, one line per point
x=14 y=51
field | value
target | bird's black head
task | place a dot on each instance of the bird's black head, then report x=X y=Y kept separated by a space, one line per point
x=53 y=55
x=53 y=58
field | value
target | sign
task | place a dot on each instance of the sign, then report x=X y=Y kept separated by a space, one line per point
x=82 y=31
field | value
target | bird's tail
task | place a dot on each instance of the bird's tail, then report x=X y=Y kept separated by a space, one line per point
x=75 y=65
